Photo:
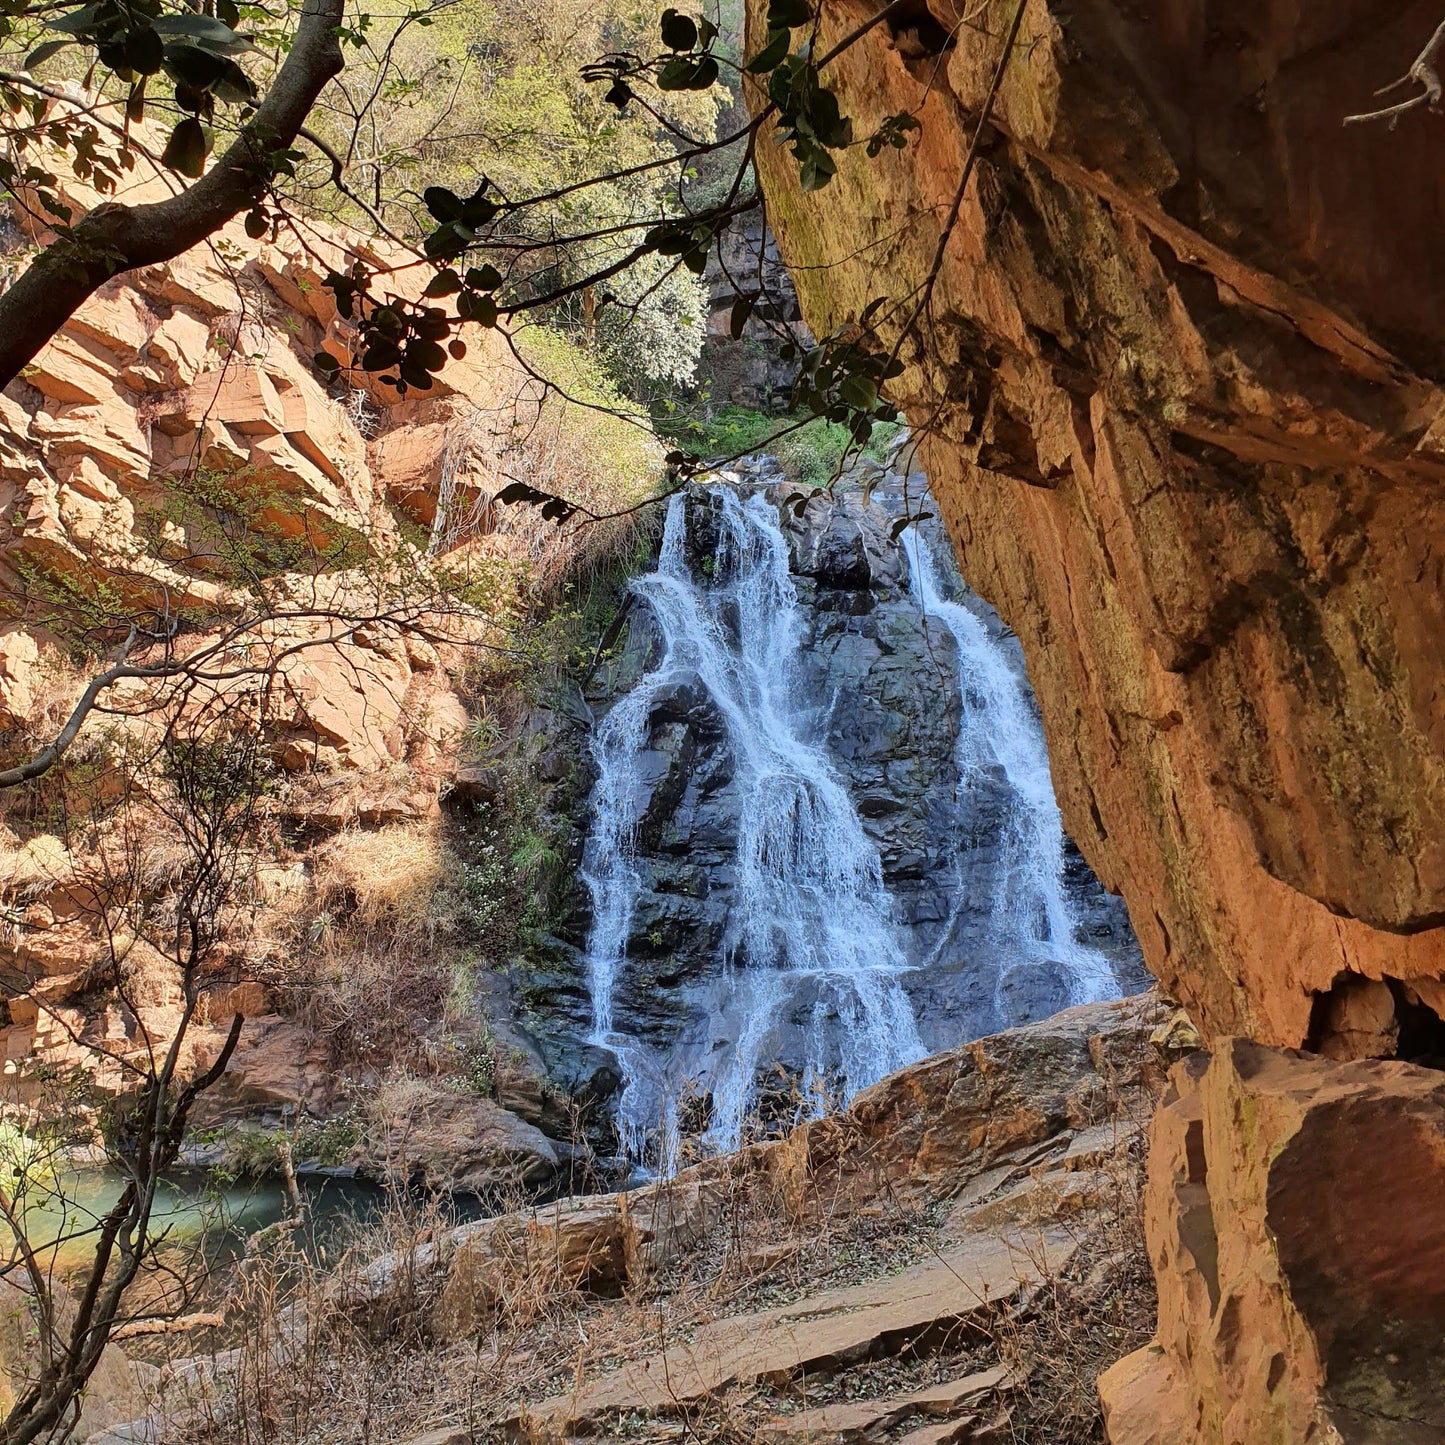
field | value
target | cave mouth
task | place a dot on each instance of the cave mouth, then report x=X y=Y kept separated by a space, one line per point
x=1369 y=1018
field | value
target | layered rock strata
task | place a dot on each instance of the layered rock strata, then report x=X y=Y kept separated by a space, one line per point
x=1180 y=367
x=180 y=410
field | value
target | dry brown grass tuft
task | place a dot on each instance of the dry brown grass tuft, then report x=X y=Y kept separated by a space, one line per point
x=392 y=878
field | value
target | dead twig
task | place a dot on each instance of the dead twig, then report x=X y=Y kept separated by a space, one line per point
x=1421 y=73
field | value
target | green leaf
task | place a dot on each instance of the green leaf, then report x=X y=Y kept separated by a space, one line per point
x=478 y=211
x=772 y=54
x=679 y=32
x=414 y=373
x=449 y=240
x=444 y=205
x=742 y=309
x=482 y=309
x=618 y=93
x=234 y=86
x=816 y=170
x=859 y=392
x=42 y=53
x=203 y=31
x=484 y=278
x=380 y=353
x=75 y=22
x=325 y=361
x=191 y=65
x=256 y=223
x=788 y=13
x=430 y=355
x=682 y=72
x=187 y=148
x=831 y=127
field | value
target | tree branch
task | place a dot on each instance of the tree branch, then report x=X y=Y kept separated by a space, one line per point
x=1422 y=73
x=115 y=238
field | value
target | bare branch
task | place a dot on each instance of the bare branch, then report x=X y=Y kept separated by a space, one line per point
x=1421 y=73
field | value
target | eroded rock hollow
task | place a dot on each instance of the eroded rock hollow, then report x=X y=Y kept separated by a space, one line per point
x=1180 y=371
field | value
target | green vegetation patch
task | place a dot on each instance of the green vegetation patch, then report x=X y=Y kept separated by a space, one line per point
x=810 y=451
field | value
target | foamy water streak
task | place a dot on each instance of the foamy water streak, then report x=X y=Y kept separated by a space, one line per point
x=1031 y=912
x=809 y=923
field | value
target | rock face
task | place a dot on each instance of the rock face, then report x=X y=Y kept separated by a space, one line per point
x=1190 y=447
x=1291 y=1308
x=1183 y=356
x=181 y=383
x=179 y=409
x=747 y=370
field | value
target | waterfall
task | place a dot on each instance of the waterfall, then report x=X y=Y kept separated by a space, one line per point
x=1030 y=910
x=809 y=925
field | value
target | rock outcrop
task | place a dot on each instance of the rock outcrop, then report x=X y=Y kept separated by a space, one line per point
x=938 y=1246
x=878 y=687
x=1181 y=361
x=1189 y=446
x=176 y=452
x=1293 y=1211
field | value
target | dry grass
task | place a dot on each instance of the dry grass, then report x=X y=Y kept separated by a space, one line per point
x=324 y=1355
x=301 y=1361
x=395 y=878
x=31 y=868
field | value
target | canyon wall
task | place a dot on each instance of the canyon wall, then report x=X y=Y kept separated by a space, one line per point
x=1178 y=385
x=174 y=450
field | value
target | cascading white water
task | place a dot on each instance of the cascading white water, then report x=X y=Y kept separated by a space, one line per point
x=1030 y=911
x=809 y=918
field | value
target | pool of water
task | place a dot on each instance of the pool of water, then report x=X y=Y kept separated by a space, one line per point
x=195 y=1209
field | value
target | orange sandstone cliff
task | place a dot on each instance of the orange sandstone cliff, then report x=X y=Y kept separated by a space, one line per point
x=1183 y=362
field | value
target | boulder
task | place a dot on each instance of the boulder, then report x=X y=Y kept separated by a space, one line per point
x=449 y=1139
x=1294 y=1216
x=19 y=656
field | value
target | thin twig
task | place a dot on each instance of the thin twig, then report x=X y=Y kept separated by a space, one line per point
x=1422 y=73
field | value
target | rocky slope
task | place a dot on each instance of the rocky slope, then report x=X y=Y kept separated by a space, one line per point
x=894 y=1272
x=1182 y=353
x=181 y=405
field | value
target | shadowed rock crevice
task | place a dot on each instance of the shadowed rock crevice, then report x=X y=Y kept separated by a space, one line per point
x=1366 y=1018
x=1368 y=1280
